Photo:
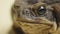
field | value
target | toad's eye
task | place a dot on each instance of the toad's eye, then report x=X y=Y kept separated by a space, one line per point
x=41 y=10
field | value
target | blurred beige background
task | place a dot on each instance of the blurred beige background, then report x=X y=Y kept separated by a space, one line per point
x=5 y=16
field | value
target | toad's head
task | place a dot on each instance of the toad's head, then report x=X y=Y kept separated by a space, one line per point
x=33 y=12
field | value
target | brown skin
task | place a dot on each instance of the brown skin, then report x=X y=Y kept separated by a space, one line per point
x=56 y=12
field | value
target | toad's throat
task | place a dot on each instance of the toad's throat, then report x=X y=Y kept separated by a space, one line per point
x=34 y=28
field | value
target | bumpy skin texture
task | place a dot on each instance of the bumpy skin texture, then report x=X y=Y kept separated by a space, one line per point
x=27 y=25
x=57 y=15
x=57 y=12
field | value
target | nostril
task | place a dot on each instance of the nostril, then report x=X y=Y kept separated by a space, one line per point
x=17 y=7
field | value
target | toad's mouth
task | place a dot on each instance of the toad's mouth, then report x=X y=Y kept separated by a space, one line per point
x=40 y=20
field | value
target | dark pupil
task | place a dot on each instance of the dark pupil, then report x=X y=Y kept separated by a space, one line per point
x=41 y=10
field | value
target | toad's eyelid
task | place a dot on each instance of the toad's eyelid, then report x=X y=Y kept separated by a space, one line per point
x=36 y=6
x=49 y=8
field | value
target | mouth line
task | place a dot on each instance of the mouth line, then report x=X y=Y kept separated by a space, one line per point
x=36 y=22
